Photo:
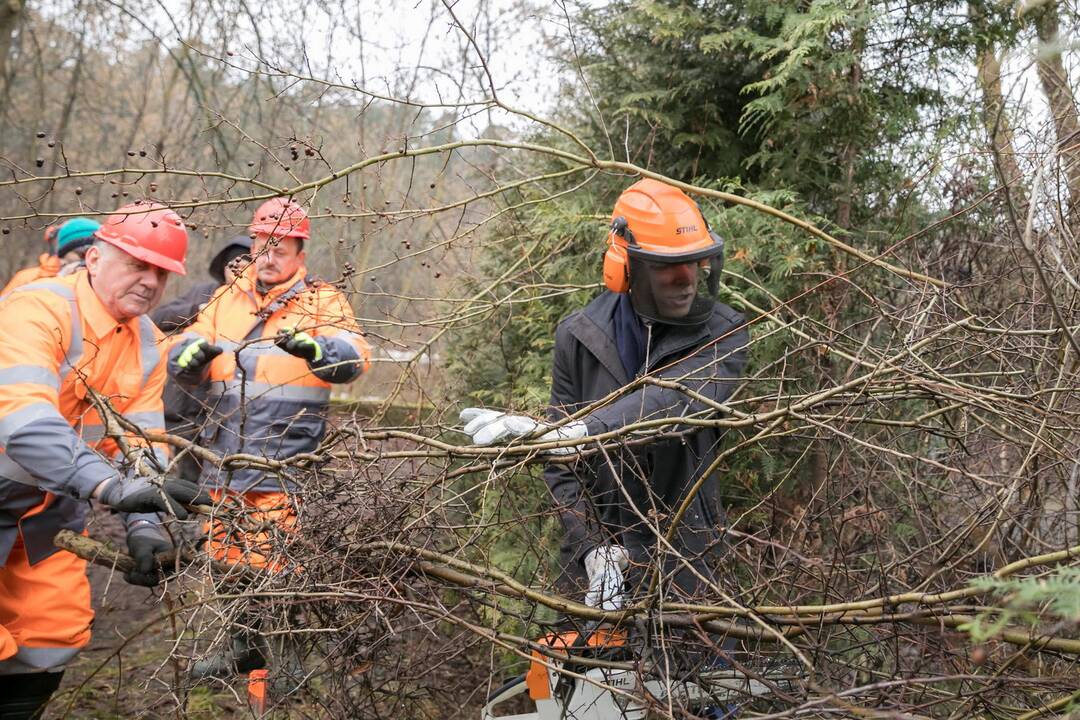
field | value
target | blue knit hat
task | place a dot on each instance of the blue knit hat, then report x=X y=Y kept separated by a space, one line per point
x=75 y=234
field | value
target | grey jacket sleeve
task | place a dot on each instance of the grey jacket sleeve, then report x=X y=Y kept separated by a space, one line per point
x=58 y=459
x=340 y=362
x=567 y=485
x=709 y=371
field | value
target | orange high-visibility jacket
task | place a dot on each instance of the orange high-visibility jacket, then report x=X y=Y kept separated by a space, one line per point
x=285 y=397
x=48 y=266
x=56 y=341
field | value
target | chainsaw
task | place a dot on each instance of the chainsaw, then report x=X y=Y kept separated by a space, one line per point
x=593 y=675
x=560 y=686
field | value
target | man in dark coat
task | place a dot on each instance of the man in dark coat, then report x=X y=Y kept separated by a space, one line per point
x=184 y=406
x=659 y=321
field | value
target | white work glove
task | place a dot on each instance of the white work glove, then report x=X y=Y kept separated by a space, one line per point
x=487 y=427
x=604 y=565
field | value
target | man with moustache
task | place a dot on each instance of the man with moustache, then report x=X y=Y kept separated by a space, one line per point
x=63 y=340
x=296 y=337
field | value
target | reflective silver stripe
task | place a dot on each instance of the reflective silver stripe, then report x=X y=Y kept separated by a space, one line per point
x=92 y=432
x=259 y=390
x=267 y=348
x=249 y=356
x=149 y=352
x=37 y=659
x=51 y=285
x=24 y=416
x=29 y=374
x=147 y=420
x=11 y=470
x=227 y=345
x=75 y=347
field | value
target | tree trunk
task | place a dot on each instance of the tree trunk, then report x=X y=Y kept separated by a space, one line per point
x=1055 y=84
x=999 y=131
x=10 y=13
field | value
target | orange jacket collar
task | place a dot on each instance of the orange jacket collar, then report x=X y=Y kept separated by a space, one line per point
x=246 y=282
x=94 y=312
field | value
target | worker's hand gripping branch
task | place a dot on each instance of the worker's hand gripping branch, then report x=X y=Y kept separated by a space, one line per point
x=605 y=565
x=197 y=355
x=487 y=427
x=134 y=493
x=299 y=344
x=146 y=540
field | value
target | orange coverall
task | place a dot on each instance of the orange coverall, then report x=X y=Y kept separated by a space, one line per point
x=285 y=397
x=57 y=340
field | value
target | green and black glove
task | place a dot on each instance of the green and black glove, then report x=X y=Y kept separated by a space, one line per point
x=299 y=344
x=197 y=355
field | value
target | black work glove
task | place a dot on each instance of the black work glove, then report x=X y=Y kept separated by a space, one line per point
x=299 y=344
x=145 y=540
x=197 y=355
x=139 y=494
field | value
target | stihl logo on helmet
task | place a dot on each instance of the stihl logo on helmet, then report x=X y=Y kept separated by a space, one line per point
x=683 y=229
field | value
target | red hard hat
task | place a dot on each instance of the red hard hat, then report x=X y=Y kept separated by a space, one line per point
x=150 y=232
x=281 y=218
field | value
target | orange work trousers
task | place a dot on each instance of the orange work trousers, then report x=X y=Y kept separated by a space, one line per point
x=45 y=612
x=252 y=528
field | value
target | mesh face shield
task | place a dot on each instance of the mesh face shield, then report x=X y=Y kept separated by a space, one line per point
x=675 y=290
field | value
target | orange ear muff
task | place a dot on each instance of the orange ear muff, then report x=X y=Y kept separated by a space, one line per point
x=616 y=268
x=616 y=259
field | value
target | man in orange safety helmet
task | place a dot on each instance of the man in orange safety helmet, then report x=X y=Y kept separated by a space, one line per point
x=658 y=318
x=296 y=337
x=64 y=341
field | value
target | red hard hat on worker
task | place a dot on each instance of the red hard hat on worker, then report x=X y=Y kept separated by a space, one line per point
x=150 y=232
x=281 y=218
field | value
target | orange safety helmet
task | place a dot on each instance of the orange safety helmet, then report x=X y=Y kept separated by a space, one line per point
x=281 y=218
x=659 y=223
x=150 y=232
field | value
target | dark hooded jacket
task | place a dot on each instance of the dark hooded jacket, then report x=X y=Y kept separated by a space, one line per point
x=612 y=498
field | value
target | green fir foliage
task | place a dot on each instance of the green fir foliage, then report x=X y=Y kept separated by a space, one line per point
x=1031 y=601
x=789 y=103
